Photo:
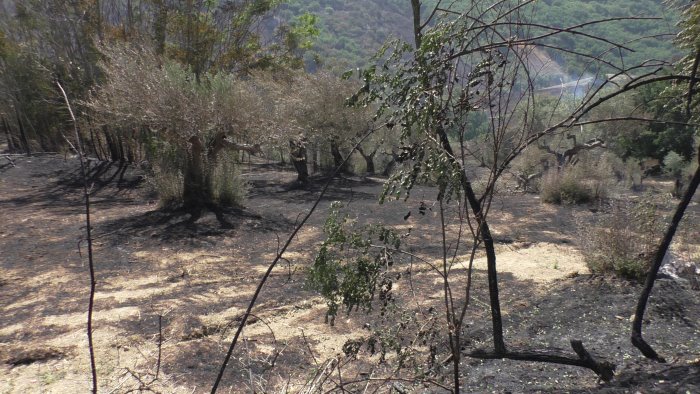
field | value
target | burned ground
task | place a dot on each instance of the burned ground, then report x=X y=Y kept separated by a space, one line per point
x=198 y=278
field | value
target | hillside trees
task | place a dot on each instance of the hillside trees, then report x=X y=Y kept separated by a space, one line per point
x=331 y=125
x=346 y=41
x=43 y=41
x=642 y=39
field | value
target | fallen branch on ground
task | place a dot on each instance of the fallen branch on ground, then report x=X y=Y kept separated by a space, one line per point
x=603 y=368
x=12 y=162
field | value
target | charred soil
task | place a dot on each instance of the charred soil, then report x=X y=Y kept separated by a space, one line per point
x=168 y=285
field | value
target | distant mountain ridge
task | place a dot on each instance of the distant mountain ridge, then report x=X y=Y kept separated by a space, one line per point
x=352 y=31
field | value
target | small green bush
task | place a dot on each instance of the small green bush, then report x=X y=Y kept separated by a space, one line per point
x=565 y=187
x=349 y=270
x=227 y=187
x=674 y=164
x=167 y=182
x=165 y=178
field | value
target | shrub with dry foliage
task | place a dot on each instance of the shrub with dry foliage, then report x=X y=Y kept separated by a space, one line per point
x=623 y=241
x=565 y=187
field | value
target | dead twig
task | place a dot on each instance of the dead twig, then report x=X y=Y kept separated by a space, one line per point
x=143 y=386
x=317 y=381
x=160 y=344
x=370 y=379
x=88 y=230
x=308 y=346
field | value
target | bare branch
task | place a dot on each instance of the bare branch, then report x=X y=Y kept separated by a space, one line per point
x=634 y=118
x=604 y=369
x=88 y=229
x=691 y=84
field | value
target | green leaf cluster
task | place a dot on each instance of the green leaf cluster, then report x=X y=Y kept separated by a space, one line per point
x=426 y=94
x=352 y=264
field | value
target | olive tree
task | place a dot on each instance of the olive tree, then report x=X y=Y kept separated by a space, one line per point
x=316 y=122
x=331 y=124
x=200 y=120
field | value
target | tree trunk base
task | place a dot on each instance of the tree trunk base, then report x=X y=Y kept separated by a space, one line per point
x=645 y=348
x=196 y=212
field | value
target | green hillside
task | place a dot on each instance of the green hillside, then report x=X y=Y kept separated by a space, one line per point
x=565 y=13
x=351 y=31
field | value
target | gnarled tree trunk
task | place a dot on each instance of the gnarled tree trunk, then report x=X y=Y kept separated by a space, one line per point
x=337 y=156
x=196 y=188
x=391 y=164
x=369 y=159
x=570 y=156
x=198 y=192
x=297 y=154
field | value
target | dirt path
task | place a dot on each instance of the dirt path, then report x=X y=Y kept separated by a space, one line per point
x=196 y=280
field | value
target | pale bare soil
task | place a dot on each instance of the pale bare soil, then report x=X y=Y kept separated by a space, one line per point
x=196 y=281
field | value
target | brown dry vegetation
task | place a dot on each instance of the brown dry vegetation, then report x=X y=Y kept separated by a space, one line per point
x=199 y=278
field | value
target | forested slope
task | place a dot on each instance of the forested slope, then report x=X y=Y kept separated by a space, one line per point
x=351 y=31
